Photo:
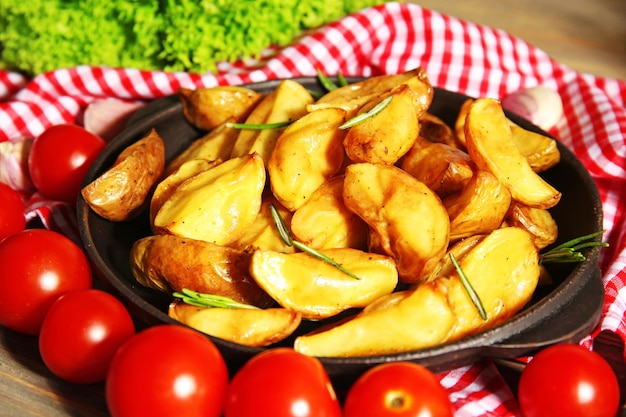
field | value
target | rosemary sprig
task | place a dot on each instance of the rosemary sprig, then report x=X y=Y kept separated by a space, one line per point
x=289 y=241
x=341 y=80
x=570 y=250
x=326 y=82
x=209 y=300
x=259 y=126
x=370 y=113
x=468 y=288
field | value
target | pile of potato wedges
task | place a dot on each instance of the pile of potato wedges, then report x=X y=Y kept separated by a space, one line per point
x=390 y=193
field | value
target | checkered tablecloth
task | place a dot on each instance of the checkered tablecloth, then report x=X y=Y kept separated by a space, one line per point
x=457 y=55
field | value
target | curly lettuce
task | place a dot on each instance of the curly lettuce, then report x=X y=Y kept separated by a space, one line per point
x=37 y=36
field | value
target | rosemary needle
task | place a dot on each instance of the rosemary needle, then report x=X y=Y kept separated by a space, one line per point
x=209 y=300
x=259 y=126
x=289 y=241
x=326 y=82
x=371 y=113
x=468 y=288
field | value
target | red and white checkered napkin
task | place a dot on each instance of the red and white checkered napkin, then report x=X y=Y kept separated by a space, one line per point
x=457 y=55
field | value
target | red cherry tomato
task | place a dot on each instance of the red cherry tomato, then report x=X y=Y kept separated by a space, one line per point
x=36 y=267
x=568 y=380
x=81 y=333
x=281 y=382
x=12 y=218
x=60 y=158
x=402 y=389
x=167 y=370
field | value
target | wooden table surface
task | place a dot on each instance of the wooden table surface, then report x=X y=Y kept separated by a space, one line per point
x=589 y=36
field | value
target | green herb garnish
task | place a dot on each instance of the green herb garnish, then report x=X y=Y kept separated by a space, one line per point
x=289 y=241
x=326 y=82
x=209 y=300
x=259 y=126
x=570 y=250
x=468 y=288
x=371 y=113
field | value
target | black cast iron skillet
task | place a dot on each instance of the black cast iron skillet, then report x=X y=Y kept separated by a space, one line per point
x=565 y=311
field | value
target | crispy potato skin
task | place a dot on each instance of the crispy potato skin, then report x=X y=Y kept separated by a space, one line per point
x=123 y=191
x=479 y=208
x=170 y=263
x=318 y=290
x=407 y=220
x=439 y=311
x=248 y=327
x=443 y=168
x=287 y=102
x=324 y=222
x=207 y=108
x=306 y=155
x=218 y=204
x=498 y=154
x=385 y=137
x=538 y=222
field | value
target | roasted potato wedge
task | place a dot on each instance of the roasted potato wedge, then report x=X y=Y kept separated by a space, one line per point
x=218 y=204
x=503 y=269
x=324 y=222
x=353 y=96
x=459 y=123
x=216 y=145
x=248 y=327
x=540 y=151
x=318 y=290
x=538 y=222
x=386 y=136
x=262 y=233
x=479 y=208
x=287 y=102
x=207 y=108
x=434 y=130
x=306 y=155
x=166 y=187
x=170 y=263
x=443 y=168
x=490 y=144
x=407 y=220
x=123 y=191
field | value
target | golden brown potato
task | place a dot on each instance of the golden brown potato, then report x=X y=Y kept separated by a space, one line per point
x=262 y=233
x=503 y=269
x=407 y=220
x=318 y=290
x=324 y=222
x=443 y=168
x=287 y=102
x=434 y=130
x=353 y=96
x=123 y=191
x=170 y=263
x=307 y=153
x=168 y=185
x=218 y=204
x=249 y=327
x=385 y=137
x=540 y=151
x=490 y=144
x=210 y=107
x=538 y=222
x=479 y=208
x=215 y=145
x=459 y=124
